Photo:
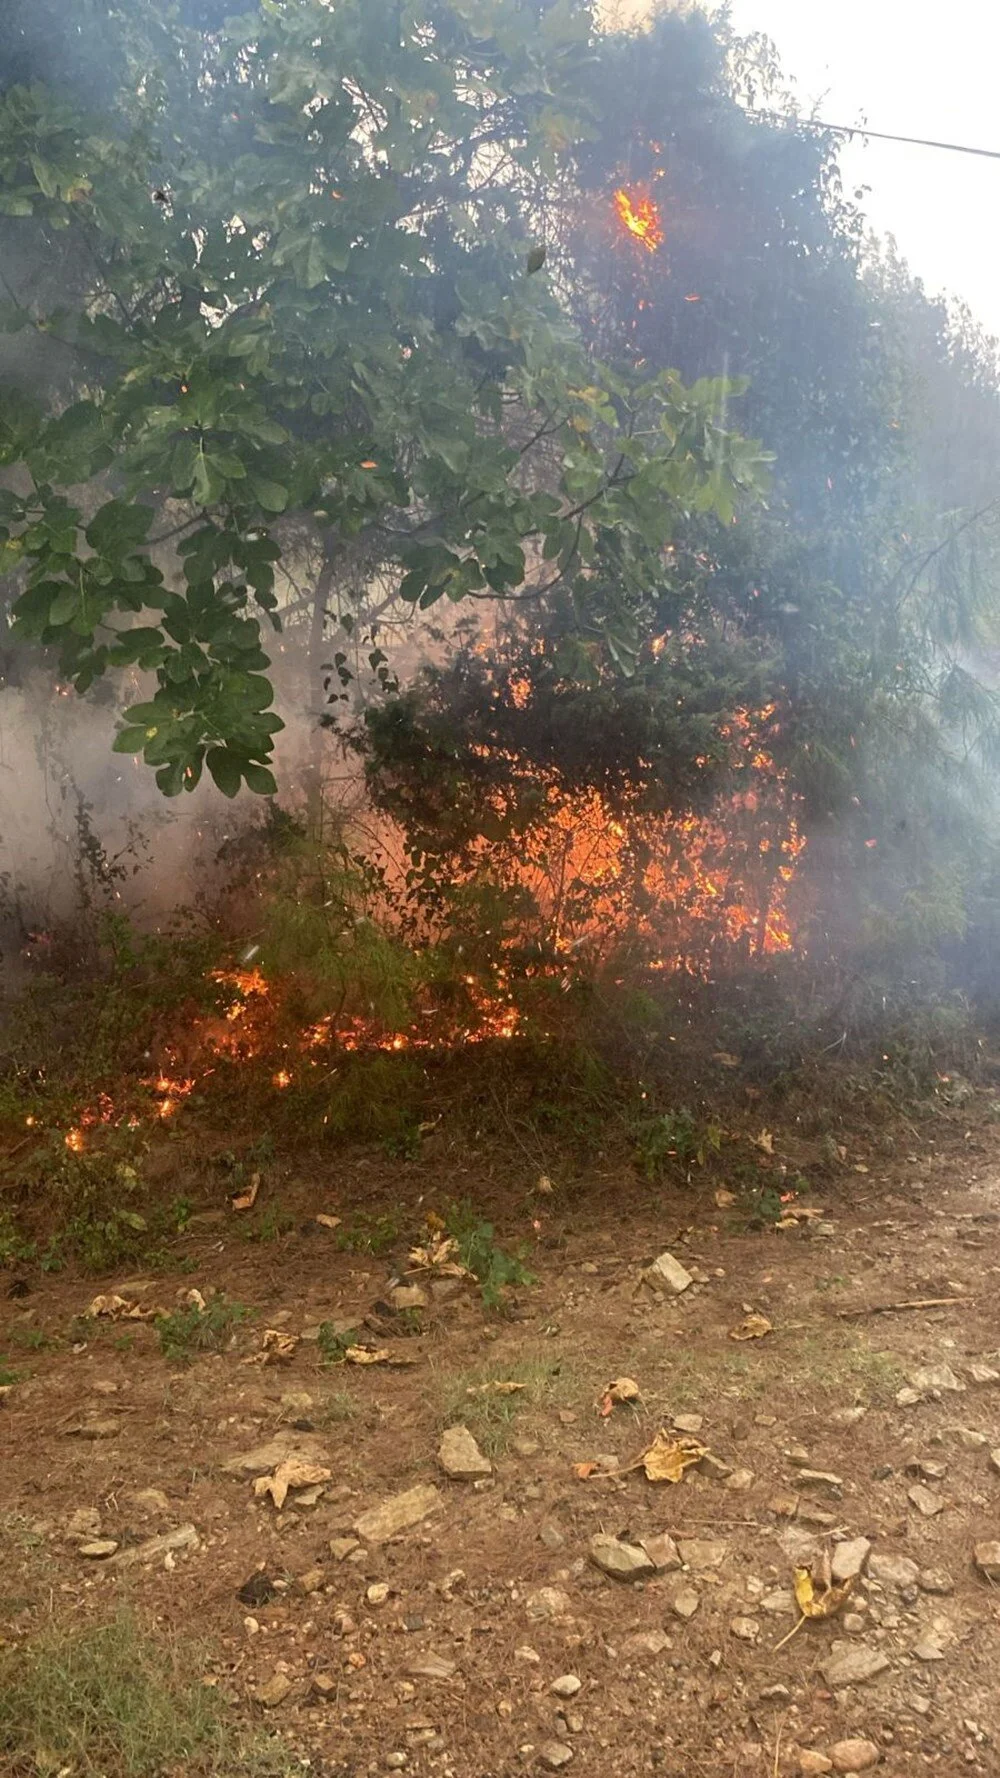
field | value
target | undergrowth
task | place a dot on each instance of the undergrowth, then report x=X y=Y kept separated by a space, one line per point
x=189 y=1331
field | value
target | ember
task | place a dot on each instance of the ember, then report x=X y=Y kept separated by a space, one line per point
x=640 y=216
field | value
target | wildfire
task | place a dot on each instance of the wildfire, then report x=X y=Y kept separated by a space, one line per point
x=638 y=214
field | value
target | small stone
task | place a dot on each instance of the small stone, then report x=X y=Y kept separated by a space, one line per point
x=668 y=1271
x=850 y=1664
x=848 y=1416
x=765 y=1420
x=398 y=1513
x=740 y=1481
x=983 y=1373
x=285 y=1447
x=854 y=1624
x=849 y=1559
x=854 y=1755
x=99 y=1550
x=934 y=1378
x=894 y=1571
x=775 y=1694
x=995 y=1458
x=408 y=1297
x=185 y=1537
x=798 y=1456
x=823 y=1479
x=555 y=1754
x=566 y=1417
x=460 y=1456
x=662 y=1552
x=811 y=1514
x=926 y=1470
x=525 y=1447
x=524 y=1653
x=907 y=1397
x=702 y=1552
x=714 y=1467
x=344 y=1624
x=691 y=1423
x=273 y=1692
x=551 y=1536
x=95 y=1429
x=745 y=1629
x=685 y=1603
x=312 y=1580
x=648 y=1642
x=342 y=1547
x=925 y=1500
x=784 y=1506
x=779 y=1603
x=622 y=1561
x=566 y=1686
x=325 y=1684
x=987 y=1560
x=935 y=1580
x=812 y=1762
x=296 y=1404
x=149 y=1500
x=548 y=1602
x=396 y=1760
x=84 y=1523
x=969 y=1440
x=432 y=1666
x=378 y=1592
x=927 y=1649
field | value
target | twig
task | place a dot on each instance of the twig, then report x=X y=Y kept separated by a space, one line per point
x=920 y=1302
x=793 y=1632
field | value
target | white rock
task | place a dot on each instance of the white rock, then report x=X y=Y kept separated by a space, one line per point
x=987 y=1559
x=548 y=1602
x=893 y=1571
x=745 y=1629
x=460 y=1456
x=852 y=1664
x=668 y=1271
x=933 y=1378
x=849 y=1559
x=855 y=1755
x=623 y=1561
x=566 y=1686
x=398 y=1513
x=555 y=1754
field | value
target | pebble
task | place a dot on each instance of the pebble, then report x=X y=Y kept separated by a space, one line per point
x=970 y=1440
x=685 y=1603
x=740 y=1481
x=432 y=1666
x=551 y=1536
x=894 y=1571
x=648 y=1642
x=84 y=1523
x=398 y=1513
x=925 y=1500
x=378 y=1592
x=185 y=1537
x=566 y=1686
x=778 y=1603
x=854 y=1755
x=408 y=1297
x=342 y=1547
x=995 y=1458
x=853 y=1622
x=936 y=1377
x=460 y=1456
x=549 y=1602
x=812 y=1762
x=396 y=1760
x=525 y=1447
x=668 y=1271
x=927 y=1649
x=745 y=1629
x=274 y=1691
x=622 y=1561
x=662 y=1552
x=691 y=1423
x=848 y=1416
x=99 y=1549
x=983 y=1373
x=849 y=1559
x=987 y=1560
x=702 y=1552
x=824 y=1479
x=555 y=1754
x=935 y=1580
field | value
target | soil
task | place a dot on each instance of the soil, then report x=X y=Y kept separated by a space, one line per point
x=463 y=1587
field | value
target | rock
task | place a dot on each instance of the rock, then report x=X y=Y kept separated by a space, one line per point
x=983 y=1373
x=344 y=1624
x=551 y=1536
x=935 y=1378
x=745 y=1629
x=908 y=1398
x=525 y=1447
x=810 y=1514
x=555 y=1754
x=662 y=1552
x=780 y=1602
x=185 y=1537
x=848 y=1416
x=812 y=1762
x=409 y=1296
x=548 y=1602
x=969 y=1440
x=995 y=1458
x=691 y=1423
x=852 y=1664
x=84 y=1523
x=398 y=1513
x=566 y=1686
x=623 y=1561
x=702 y=1552
x=99 y=1550
x=849 y=1559
x=283 y=1448
x=685 y=1602
x=800 y=1547
x=783 y=1506
x=325 y=1684
x=460 y=1456
x=296 y=1404
x=648 y=1642
x=396 y=1760
x=378 y=1592
x=925 y=1500
x=149 y=1500
x=897 y=1572
x=432 y=1666
x=273 y=1692
x=669 y=1272
x=775 y=1694
x=823 y=1479
x=854 y=1624
x=935 y=1580
x=926 y=1470
x=714 y=1468
x=95 y=1429
x=342 y=1547
x=987 y=1560
x=928 y=1649
x=740 y=1481
x=854 y=1756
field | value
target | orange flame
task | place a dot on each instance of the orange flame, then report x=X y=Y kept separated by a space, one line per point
x=640 y=216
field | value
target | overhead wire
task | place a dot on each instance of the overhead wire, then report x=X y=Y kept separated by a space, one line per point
x=848 y=129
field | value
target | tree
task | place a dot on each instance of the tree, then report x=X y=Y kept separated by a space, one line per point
x=307 y=312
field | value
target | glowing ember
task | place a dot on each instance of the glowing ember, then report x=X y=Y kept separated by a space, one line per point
x=282 y=1078
x=74 y=1140
x=640 y=216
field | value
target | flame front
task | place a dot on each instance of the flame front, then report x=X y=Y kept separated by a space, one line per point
x=637 y=213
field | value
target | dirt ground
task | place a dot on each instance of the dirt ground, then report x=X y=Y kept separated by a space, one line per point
x=437 y=1650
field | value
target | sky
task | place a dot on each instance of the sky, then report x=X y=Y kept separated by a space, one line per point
x=918 y=71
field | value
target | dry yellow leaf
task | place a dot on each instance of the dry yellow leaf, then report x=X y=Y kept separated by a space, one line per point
x=328 y=1222
x=752 y=1327
x=118 y=1308
x=366 y=1355
x=667 y=1457
x=765 y=1141
x=496 y=1388
x=291 y=1474
x=276 y=1346
x=248 y=1199
x=724 y=1200
x=815 y=1596
x=439 y=1254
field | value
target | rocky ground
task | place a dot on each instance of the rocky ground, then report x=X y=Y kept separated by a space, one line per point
x=393 y=1593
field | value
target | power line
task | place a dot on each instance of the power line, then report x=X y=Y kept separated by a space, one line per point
x=847 y=129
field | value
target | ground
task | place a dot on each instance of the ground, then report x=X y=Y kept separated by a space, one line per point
x=436 y=1652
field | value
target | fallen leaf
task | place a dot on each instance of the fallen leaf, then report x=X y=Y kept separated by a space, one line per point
x=118 y=1308
x=276 y=1347
x=584 y=1471
x=291 y=1474
x=439 y=1254
x=192 y=1299
x=544 y=1185
x=815 y=1595
x=328 y=1222
x=248 y=1199
x=366 y=1355
x=726 y=1059
x=724 y=1200
x=622 y=1389
x=765 y=1142
x=667 y=1457
x=752 y=1327
x=496 y=1388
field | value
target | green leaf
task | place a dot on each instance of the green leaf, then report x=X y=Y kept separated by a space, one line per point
x=260 y=780
x=271 y=495
x=225 y=769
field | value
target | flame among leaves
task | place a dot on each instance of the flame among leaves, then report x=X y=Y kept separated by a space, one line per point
x=638 y=214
